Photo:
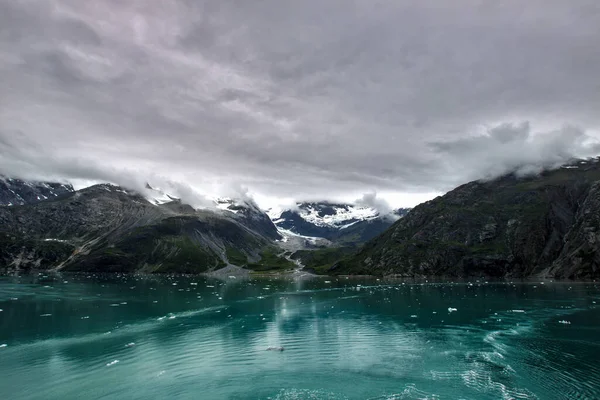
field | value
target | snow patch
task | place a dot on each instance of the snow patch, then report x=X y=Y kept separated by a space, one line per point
x=55 y=240
x=342 y=215
x=287 y=235
x=156 y=196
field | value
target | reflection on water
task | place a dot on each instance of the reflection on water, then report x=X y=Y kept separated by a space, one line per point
x=131 y=337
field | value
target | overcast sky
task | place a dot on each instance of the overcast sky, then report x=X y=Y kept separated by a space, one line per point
x=290 y=99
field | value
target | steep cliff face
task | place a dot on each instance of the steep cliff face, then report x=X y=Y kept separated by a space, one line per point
x=543 y=225
x=580 y=255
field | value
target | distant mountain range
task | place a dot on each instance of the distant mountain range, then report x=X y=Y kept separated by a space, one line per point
x=337 y=223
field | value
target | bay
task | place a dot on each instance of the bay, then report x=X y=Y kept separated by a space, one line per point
x=180 y=337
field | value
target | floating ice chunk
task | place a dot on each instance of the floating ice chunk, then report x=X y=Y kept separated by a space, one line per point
x=327 y=281
x=518 y=311
x=130 y=344
x=112 y=363
x=564 y=322
x=86 y=317
x=3 y=345
x=413 y=316
x=46 y=315
x=450 y=309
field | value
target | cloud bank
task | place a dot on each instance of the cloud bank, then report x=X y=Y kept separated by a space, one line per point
x=314 y=99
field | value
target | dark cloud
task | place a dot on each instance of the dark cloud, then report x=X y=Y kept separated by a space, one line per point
x=297 y=99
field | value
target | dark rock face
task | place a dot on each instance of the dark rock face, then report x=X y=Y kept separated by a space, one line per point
x=547 y=225
x=254 y=218
x=15 y=192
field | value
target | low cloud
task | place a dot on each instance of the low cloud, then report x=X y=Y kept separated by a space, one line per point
x=22 y=158
x=371 y=200
x=513 y=148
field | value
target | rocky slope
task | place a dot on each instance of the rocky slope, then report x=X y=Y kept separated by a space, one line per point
x=107 y=228
x=249 y=214
x=15 y=192
x=341 y=224
x=546 y=225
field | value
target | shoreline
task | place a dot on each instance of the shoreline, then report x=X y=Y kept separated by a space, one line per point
x=235 y=272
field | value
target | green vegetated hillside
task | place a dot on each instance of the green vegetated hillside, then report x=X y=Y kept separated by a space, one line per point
x=512 y=226
x=319 y=261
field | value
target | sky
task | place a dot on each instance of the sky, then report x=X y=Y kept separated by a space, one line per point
x=392 y=101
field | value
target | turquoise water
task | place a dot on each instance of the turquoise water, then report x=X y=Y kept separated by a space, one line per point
x=126 y=337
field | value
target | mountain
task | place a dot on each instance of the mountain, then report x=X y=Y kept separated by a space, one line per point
x=18 y=192
x=343 y=224
x=107 y=228
x=245 y=211
x=546 y=225
x=249 y=214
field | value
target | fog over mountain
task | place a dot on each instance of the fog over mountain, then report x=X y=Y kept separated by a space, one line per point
x=388 y=101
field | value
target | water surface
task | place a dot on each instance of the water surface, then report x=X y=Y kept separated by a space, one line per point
x=126 y=337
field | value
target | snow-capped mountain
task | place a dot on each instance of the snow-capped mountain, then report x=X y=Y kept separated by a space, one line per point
x=15 y=192
x=344 y=223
